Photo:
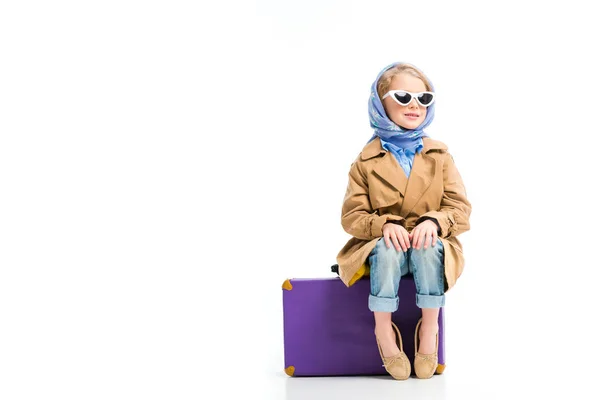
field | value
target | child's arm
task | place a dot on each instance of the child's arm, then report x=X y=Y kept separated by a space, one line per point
x=358 y=217
x=455 y=208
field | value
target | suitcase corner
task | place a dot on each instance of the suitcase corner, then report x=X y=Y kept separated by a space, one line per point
x=287 y=285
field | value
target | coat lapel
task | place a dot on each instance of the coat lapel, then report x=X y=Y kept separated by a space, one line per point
x=390 y=171
x=421 y=176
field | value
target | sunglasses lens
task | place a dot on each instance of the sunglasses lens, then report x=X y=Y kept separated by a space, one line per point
x=402 y=97
x=426 y=99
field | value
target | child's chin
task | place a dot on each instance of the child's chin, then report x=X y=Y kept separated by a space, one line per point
x=409 y=125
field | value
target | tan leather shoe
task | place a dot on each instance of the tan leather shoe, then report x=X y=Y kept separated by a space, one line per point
x=398 y=366
x=425 y=364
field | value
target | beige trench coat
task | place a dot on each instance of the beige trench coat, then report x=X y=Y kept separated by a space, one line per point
x=378 y=191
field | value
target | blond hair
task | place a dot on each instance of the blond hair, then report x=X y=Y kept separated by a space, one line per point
x=386 y=78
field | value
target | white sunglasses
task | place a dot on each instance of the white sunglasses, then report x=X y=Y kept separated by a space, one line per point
x=404 y=98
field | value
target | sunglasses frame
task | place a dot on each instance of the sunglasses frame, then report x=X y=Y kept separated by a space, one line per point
x=391 y=94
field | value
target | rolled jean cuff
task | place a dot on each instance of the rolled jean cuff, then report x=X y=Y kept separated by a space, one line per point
x=430 y=301
x=383 y=304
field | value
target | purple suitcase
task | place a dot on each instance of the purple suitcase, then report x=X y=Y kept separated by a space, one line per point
x=329 y=329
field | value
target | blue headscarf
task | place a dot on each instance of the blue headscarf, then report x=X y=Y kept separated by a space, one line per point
x=403 y=143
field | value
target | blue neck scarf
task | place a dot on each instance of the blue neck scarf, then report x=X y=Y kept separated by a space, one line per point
x=388 y=131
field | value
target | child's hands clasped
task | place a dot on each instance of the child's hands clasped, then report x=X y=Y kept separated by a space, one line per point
x=425 y=234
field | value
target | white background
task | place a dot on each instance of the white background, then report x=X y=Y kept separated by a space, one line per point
x=165 y=166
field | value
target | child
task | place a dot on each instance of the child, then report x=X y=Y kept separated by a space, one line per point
x=405 y=205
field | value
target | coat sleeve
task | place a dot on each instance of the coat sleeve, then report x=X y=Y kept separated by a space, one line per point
x=455 y=208
x=358 y=217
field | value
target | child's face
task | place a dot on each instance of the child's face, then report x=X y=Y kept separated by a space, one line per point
x=397 y=112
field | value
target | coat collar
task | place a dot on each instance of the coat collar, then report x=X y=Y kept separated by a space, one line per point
x=374 y=147
x=422 y=173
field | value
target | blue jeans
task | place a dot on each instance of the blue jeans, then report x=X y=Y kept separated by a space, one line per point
x=388 y=265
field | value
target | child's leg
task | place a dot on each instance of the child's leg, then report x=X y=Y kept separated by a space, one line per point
x=387 y=265
x=427 y=267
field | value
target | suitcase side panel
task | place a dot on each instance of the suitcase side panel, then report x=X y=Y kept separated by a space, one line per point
x=329 y=330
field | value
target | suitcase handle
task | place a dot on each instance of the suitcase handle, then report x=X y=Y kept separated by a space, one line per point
x=335 y=268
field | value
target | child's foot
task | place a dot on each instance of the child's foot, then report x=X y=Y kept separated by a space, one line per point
x=387 y=340
x=427 y=338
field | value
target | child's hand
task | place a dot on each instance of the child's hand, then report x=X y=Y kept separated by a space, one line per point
x=422 y=232
x=396 y=234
